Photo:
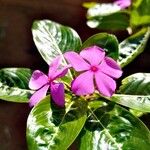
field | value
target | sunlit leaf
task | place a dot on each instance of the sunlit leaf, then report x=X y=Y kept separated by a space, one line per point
x=15 y=77
x=14 y=84
x=118 y=21
x=136 y=84
x=107 y=16
x=131 y=47
x=53 y=39
x=134 y=92
x=51 y=128
x=137 y=102
x=113 y=128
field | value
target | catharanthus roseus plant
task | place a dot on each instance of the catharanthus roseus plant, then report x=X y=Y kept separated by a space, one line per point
x=79 y=101
x=99 y=68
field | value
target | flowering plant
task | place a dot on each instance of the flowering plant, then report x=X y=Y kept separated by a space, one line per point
x=84 y=104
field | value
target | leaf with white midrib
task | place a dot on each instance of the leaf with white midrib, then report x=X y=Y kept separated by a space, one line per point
x=44 y=36
x=136 y=84
x=53 y=39
x=137 y=102
x=134 y=92
x=14 y=84
x=15 y=77
x=112 y=127
x=131 y=47
x=106 y=132
x=58 y=127
x=48 y=127
x=14 y=94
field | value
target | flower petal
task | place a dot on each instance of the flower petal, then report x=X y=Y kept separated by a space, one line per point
x=38 y=79
x=110 y=67
x=105 y=84
x=57 y=93
x=38 y=95
x=94 y=55
x=83 y=84
x=54 y=66
x=76 y=61
x=61 y=72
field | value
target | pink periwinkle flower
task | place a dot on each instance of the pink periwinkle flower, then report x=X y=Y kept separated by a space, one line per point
x=97 y=71
x=123 y=3
x=41 y=82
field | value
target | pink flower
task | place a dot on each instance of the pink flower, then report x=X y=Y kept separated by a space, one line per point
x=123 y=3
x=41 y=82
x=95 y=68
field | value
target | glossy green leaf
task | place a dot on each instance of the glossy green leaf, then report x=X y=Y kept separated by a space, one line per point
x=118 y=21
x=15 y=77
x=14 y=84
x=51 y=128
x=53 y=39
x=107 y=16
x=13 y=94
x=134 y=92
x=140 y=13
x=137 y=102
x=136 y=84
x=114 y=128
x=131 y=47
x=106 y=41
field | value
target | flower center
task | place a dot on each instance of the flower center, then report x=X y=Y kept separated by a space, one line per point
x=94 y=68
x=49 y=80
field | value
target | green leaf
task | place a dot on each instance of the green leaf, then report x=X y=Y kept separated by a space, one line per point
x=140 y=14
x=15 y=77
x=134 y=92
x=131 y=47
x=51 y=128
x=53 y=39
x=13 y=94
x=118 y=21
x=101 y=16
x=106 y=41
x=113 y=127
x=136 y=84
x=14 y=84
x=137 y=102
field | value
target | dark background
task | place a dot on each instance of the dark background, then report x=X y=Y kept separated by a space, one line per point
x=17 y=49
